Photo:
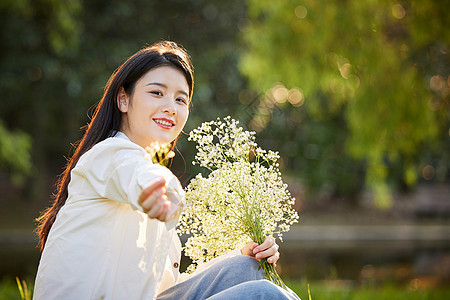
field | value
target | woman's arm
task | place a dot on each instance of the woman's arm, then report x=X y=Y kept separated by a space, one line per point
x=119 y=171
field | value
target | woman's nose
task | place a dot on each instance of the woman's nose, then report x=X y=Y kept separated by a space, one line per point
x=169 y=107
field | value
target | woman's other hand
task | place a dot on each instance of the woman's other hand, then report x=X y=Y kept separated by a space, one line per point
x=268 y=249
x=154 y=202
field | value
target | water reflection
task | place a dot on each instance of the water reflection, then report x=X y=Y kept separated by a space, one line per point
x=368 y=262
x=18 y=260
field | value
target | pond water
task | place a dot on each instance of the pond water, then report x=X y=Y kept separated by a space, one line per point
x=18 y=260
x=354 y=261
x=369 y=261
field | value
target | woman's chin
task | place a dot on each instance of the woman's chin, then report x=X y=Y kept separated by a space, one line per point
x=162 y=140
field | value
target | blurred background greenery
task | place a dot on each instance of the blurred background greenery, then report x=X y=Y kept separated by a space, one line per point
x=353 y=94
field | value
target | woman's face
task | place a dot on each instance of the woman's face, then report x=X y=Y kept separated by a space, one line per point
x=157 y=109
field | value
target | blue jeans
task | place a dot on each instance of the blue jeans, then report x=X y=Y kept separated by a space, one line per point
x=234 y=278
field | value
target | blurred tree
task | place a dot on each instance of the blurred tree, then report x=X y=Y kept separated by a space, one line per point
x=15 y=154
x=56 y=57
x=374 y=80
x=37 y=39
x=207 y=29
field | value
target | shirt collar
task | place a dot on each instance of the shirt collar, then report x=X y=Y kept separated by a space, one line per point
x=120 y=134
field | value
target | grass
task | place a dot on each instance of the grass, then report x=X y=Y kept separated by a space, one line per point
x=25 y=292
x=12 y=289
x=340 y=290
x=329 y=290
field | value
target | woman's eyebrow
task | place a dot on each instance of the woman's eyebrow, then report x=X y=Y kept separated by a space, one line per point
x=165 y=86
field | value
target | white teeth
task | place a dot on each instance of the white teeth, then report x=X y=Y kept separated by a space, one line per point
x=162 y=122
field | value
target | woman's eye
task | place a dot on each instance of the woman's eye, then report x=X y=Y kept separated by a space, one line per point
x=157 y=93
x=182 y=100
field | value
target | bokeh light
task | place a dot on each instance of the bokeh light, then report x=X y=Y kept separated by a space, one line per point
x=301 y=12
x=437 y=83
x=296 y=97
x=34 y=74
x=428 y=172
x=280 y=93
x=398 y=11
x=345 y=70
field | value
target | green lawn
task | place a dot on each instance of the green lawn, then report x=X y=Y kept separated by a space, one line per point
x=319 y=290
x=9 y=289
x=342 y=291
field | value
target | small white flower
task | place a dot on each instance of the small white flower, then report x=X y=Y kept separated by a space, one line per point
x=159 y=153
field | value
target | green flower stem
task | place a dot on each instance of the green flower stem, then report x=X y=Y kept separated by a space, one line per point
x=271 y=273
x=253 y=229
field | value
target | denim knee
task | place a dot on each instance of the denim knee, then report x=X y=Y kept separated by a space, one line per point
x=244 y=266
x=241 y=268
x=255 y=289
x=265 y=289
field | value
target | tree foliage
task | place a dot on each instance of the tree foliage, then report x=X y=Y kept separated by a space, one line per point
x=373 y=73
x=15 y=153
x=345 y=90
x=37 y=37
x=56 y=57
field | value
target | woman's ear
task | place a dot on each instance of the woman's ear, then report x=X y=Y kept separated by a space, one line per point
x=122 y=100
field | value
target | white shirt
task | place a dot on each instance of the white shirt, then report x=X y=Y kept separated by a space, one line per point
x=102 y=246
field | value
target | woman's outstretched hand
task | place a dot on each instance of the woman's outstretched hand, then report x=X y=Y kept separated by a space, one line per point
x=268 y=249
x=153 y=200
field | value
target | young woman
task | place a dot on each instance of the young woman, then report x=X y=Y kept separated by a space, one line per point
x=110 y=232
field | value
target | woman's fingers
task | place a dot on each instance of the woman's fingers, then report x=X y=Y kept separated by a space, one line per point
x=150 y=189
x=155 y=198
x=267 y=253
x=155 y=210
x=154 y=201
x=160 y=208
x=268 y=243
x=248 y=249
x=165 y=211
x=274 y=258
x=268 y=249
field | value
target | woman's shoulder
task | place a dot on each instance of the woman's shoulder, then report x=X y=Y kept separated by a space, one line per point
x=113 y=148
x=119 y=141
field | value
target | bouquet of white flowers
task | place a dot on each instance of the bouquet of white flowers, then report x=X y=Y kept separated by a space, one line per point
x=243 y=198
x=159 y=153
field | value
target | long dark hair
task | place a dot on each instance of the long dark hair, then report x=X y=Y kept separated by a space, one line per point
x=107 y=116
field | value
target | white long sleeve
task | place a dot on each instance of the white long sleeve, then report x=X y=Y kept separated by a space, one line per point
x=119 y=171
x=102 y=246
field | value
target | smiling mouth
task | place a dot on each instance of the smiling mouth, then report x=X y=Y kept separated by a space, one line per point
x=164 y=123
